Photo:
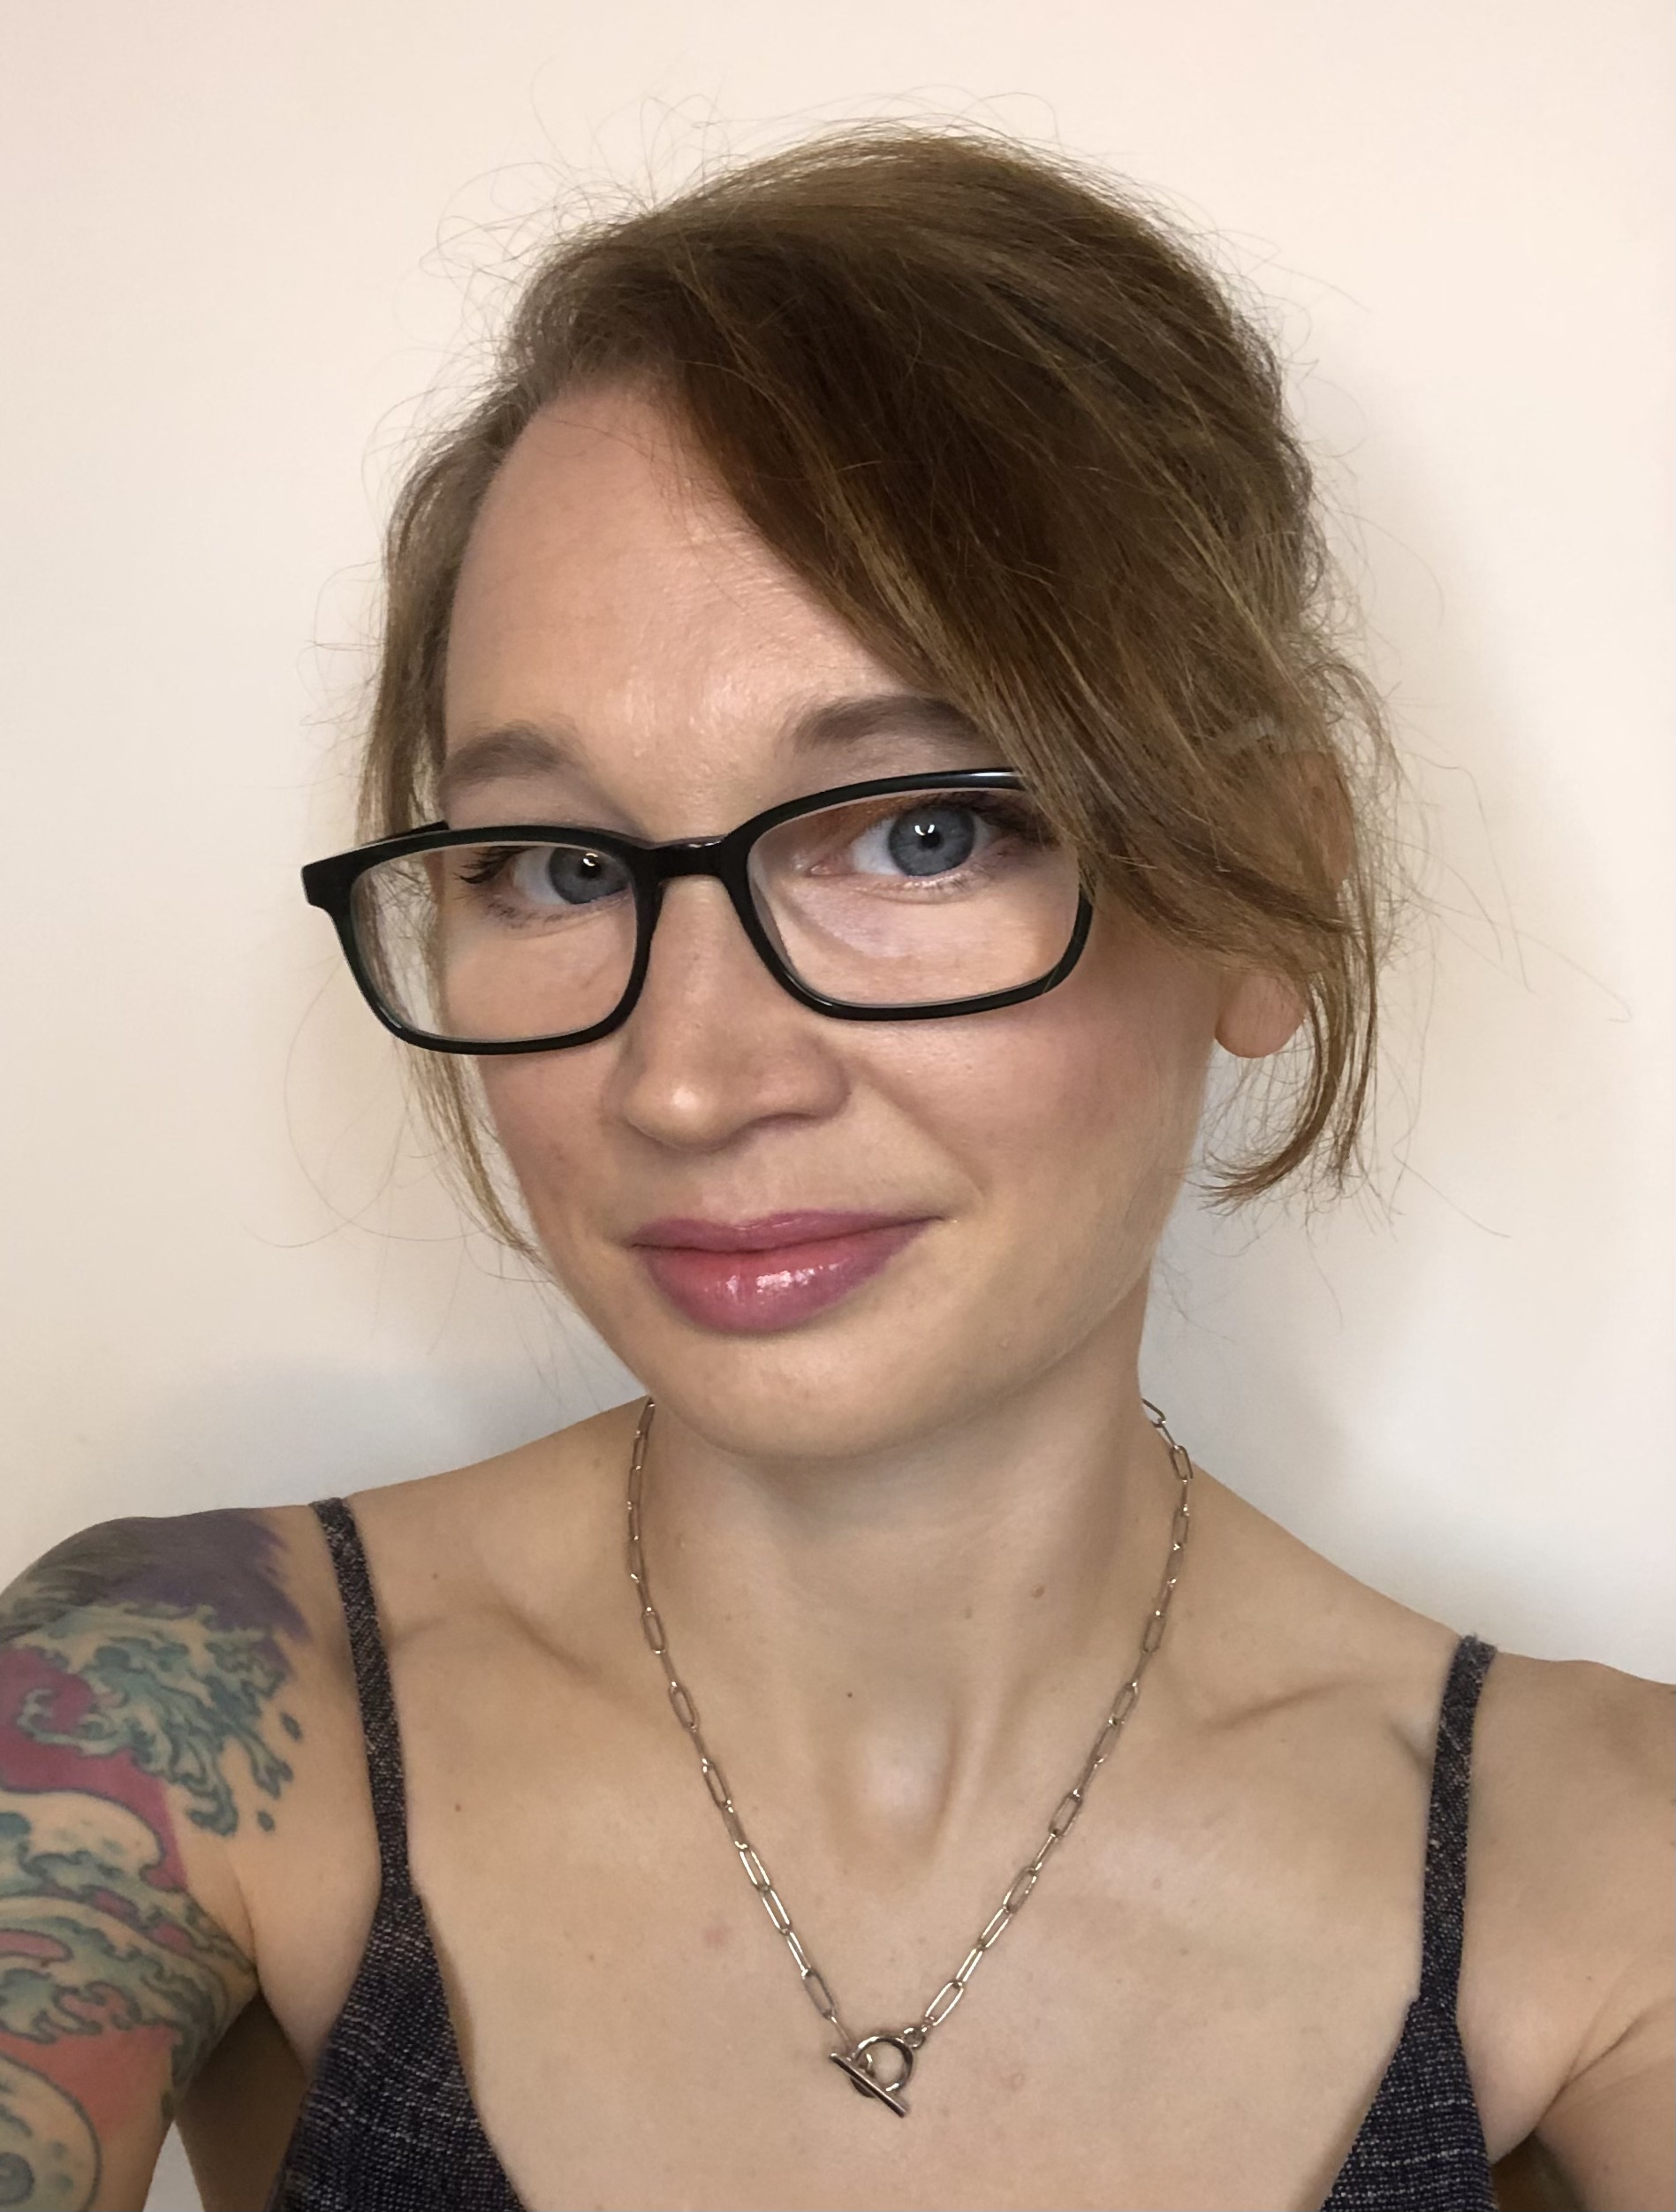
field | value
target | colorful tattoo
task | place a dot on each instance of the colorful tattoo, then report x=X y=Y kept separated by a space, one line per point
x=134 y=1660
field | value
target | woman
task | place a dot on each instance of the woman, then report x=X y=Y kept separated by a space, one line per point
x=857 y=729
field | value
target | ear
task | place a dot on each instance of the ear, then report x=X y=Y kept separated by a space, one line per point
x=1258 y=1011
x=1257 y=1014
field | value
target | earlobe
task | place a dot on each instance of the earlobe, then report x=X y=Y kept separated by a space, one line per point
x=1259 y=1014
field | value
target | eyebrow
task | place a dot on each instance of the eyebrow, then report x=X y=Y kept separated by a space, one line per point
x=533 y=748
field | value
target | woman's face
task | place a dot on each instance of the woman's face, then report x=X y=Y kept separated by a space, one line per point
x=612 y=603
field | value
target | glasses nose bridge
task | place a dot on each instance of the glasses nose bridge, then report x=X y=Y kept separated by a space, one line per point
x=725 y=860
x=692 y=856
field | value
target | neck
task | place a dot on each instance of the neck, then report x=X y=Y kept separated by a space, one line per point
x=884 y=1640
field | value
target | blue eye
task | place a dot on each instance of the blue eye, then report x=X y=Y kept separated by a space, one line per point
x=546 y=875
x=930 y=840
x=569 y=874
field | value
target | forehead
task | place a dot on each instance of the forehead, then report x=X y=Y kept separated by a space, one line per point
x=609 y=581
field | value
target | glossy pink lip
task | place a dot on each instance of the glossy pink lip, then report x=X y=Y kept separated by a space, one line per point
x=751 y=1277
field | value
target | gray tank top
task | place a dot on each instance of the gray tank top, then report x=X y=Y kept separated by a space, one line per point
x=388 y=2122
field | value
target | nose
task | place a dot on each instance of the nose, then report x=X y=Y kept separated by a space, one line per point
x=714 y=1046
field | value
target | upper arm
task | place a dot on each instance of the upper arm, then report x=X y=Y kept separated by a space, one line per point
x=143 y=1722
x=1613 y=2125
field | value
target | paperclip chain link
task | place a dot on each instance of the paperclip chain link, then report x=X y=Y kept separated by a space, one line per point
x=1065 y=1814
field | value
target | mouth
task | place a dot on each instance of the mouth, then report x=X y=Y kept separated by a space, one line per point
x=748 y=1278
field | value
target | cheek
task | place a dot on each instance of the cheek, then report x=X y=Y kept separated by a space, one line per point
x=1060 y=1129
x=1084 y=1103
x=547 y=1114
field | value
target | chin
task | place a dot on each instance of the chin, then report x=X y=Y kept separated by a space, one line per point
x=893 y=1361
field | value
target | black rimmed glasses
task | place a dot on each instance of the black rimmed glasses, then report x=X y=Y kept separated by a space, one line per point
x=901 y=899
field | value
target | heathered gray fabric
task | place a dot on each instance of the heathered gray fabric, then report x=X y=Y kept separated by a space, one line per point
x=1422 y=2147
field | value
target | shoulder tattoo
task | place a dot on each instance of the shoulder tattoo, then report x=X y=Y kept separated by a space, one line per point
x=141 y=1673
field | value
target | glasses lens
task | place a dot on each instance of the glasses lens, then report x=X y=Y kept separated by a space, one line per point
x=494 y=944
x=917 y=899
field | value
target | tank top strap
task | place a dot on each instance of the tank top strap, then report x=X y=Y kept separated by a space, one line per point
x=377 y=1701
x=1446 y=1886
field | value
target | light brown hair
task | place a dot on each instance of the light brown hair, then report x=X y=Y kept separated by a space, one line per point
x=1003 y=420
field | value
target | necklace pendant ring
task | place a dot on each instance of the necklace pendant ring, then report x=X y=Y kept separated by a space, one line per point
x=858 y=2064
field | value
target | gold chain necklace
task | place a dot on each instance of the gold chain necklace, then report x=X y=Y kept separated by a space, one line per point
x=855 y=2054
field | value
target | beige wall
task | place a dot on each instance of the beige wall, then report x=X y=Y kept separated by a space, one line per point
x=243 y=238
x=242 y=242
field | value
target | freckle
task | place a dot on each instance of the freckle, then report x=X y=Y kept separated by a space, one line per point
x=1040 y=1587
x=967 y=1613
x=265 y=1820
x=1014 y=2080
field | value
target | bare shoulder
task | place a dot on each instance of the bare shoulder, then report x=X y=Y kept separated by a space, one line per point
x=158 y=1662
x=1566 y=2008
x=186 y=1644
x=1574 y=1779
x=1581 y=1750
x=1574 y=1769
x=155 y=1674
x=518 y=1536
x=186 y=1820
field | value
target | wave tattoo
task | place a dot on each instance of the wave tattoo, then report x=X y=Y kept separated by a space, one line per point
x=140 y=1668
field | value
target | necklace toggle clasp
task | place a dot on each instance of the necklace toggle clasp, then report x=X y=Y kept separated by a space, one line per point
x=858 y=2063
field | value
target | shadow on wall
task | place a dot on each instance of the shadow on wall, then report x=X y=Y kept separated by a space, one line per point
x=1427 y=1382
x=279 y=1435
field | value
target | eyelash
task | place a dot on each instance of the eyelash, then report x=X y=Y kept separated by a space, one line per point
x=1002 y=810
x=491 y=862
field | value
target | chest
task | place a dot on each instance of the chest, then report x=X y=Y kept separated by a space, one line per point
x=1194 y=2007
x=1184 y=2012
x=1080 y=2075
